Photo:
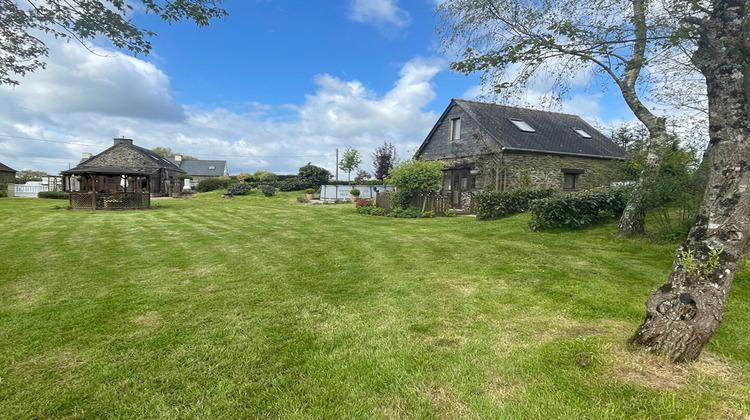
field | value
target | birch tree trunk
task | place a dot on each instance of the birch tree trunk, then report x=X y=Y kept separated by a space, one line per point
x=633 y=219
x=683 y=314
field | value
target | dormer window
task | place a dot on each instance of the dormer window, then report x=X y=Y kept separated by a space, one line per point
x=522 y=125
x=582 y=133
x=212 y=167
x=455 y=129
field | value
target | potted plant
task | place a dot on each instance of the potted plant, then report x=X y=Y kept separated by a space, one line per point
x=310 y=193
x=354 y=194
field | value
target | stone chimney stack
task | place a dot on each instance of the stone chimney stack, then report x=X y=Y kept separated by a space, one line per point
x=123 y=140
x=178 y=158
x=86 y=155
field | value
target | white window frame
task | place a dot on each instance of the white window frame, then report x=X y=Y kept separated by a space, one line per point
x=455 y=129
x=522 y=125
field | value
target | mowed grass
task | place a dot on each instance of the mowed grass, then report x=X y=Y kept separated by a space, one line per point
x=260 y=307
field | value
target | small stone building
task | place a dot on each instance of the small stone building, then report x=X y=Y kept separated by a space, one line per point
x=7 y=176
x=488 y=146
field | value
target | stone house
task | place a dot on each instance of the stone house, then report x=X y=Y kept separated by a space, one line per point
x=7 y=176
x=201 y=169
x=489 y=146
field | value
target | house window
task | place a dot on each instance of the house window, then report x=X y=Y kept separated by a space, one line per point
x=522 y=125
x=569 y=182
x=212 y=167
x=570 y=178
x=455 y=129
x=582 y=133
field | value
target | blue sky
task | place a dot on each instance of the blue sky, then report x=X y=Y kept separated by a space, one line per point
x=273 y=86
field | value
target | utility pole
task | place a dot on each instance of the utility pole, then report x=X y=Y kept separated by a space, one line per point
x=337 y=164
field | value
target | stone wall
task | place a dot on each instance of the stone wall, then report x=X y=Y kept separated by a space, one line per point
x=7 y=178
x=546 y=170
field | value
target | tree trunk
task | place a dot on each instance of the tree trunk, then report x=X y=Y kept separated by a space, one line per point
x=683 y=315
x=633 y=219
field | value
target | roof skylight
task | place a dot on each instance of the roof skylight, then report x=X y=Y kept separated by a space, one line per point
x=522 y=125
x=582 y=133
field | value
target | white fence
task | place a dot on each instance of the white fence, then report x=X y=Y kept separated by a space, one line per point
x=27 y=190
x=341 y=192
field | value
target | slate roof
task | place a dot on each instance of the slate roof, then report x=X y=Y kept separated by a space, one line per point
x=159 y=161
x=202 y=167
x=4 y=168
x=554 y=132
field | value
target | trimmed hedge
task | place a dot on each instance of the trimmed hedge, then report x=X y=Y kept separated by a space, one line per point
x=576 y=211
x=54 y=195
x=212 y=184
x=495 y=204
x=239 y=189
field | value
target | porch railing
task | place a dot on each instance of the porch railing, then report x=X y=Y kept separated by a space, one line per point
x=109 y=201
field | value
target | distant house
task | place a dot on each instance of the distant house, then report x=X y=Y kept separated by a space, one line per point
x=7 y=176
x=201 y=169
x=123 y=170
x=493 y=146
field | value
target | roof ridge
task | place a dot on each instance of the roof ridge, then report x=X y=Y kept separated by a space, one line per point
x=516 y=107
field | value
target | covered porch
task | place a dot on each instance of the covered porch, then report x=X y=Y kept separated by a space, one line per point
x=108 y=188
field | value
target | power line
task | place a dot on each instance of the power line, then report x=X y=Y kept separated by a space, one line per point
x=197 y=154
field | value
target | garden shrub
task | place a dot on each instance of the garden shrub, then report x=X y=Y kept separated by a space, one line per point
x=310 y=191
x=364 y=202
x=3 y=193
x=355 y=192
x=377 y=211
x=239 y=189
x=212 y=184
x=410 y=213
x=429 y=214
x=364 y=209
x=575 y=211
x=268 y=190
x=496 y=204
x=265 y=177
x=55 y=195
x=400 y=199
x=451 y=213
x=292 y=184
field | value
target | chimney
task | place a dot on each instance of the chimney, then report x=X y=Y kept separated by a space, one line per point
x=86 y=155
x=123 y=140
x=178 y=158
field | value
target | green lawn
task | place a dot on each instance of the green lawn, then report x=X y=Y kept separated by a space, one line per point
x=263 y=307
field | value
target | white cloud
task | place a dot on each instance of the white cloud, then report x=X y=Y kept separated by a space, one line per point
x=379 y=13
x=114 y=84
x=80 y=108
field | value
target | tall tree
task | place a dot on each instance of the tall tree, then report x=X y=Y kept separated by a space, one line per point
x=683 y=314
x=383 y=160
x=167 y=152
x=350 y=160
x=613 y=39
x=27 y=175
x=22 y=49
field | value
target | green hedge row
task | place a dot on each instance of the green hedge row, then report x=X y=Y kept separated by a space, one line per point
x=55 y=195
x=495 y=204
x=575 y=211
